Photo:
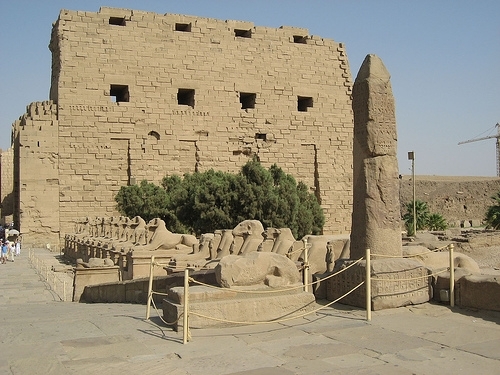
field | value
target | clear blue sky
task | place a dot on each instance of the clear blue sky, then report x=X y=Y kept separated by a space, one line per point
x=443 y=57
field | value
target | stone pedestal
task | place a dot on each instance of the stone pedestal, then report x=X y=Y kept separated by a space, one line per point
x=475 y=291
x=227 y=304
x=441 y=284
x=92 y=276
x=479 y=291
x=394 y=283
x=138 y=263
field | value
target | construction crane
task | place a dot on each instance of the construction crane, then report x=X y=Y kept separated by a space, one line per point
x=497 y=136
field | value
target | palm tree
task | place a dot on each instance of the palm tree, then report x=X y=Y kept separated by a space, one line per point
x=436 y=222
x=421 y=213
x=493 y=214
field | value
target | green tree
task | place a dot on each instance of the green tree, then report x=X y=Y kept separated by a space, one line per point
x=284 y=205
x=255 y=194
x=310 y=219
x=174 y=188
x=146 y=200
x=203 y=202
x=492 y=218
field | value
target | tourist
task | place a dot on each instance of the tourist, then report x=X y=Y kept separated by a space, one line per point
x=4 y=252
x=17 y=247
x=10 y=250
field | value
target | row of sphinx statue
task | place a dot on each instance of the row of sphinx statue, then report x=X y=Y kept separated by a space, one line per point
x=123 y=241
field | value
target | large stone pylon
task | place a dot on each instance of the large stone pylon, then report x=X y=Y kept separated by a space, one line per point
x=376 y=221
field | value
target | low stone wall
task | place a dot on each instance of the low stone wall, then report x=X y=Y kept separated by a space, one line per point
x=136 y=291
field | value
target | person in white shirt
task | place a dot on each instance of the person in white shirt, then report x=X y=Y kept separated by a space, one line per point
x=10 y=250
x=17 y=246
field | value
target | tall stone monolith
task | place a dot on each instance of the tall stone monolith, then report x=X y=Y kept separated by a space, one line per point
x=376 y=222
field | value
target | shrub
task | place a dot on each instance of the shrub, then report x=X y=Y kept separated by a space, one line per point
x=425 y=220
x=146 y=200
x=436 y=222
x=492 y=218
x=203 y=202
x=421 y=214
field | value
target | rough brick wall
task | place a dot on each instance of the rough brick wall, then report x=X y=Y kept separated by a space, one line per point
x=36 y=175
x=7 y=184
x=178 y=83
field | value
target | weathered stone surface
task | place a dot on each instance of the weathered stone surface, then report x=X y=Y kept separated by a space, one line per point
x=394 y=283
x=251 y=232
x=323 y=250
x=136 y=291
x=7 y=199
x=479 y=292
x=376 y=222
x=85 y=276
x=436 y=261
x=129 y=244
x=459 y=199
x=374 y=110
x=227 y=306
x=256 y=268
x=94 y=263
x=278 y=241
x=160 y=238
x=201 y=256
x=441 y=283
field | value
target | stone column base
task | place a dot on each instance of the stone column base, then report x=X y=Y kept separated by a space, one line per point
x=401 y=282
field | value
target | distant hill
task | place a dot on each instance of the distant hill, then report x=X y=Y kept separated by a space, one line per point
x=462 y=200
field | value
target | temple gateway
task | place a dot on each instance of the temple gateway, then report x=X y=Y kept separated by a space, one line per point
x=138 y=95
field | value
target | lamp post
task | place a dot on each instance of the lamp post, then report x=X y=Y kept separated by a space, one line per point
x=411 y=156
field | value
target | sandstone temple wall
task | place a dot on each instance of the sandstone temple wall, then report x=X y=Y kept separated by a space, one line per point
x=138 y=95
x=36 y=175
x=7 y=185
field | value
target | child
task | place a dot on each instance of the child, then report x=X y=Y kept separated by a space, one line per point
x=4 y=252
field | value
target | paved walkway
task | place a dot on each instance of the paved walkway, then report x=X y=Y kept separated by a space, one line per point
x=41 y=335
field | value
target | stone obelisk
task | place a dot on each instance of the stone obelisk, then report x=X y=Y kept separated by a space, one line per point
x=376 y=221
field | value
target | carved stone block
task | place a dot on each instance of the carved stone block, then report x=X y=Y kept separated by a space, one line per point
x=394 y=283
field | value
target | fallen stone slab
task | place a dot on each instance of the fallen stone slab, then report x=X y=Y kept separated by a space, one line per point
x=226 y=307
